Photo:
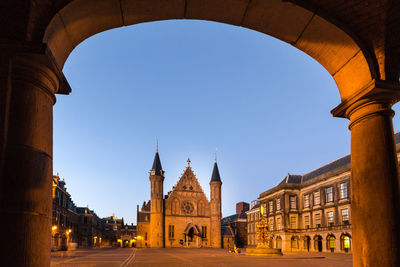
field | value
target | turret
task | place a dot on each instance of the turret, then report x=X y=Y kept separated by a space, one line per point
x=215 y=201
x=157 y=204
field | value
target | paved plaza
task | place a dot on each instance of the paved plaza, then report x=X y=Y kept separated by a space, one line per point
x=123 y=257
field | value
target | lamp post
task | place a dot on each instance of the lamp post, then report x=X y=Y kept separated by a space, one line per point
x=53 y=230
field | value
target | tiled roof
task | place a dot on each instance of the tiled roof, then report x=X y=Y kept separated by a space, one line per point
x=233 y=217
x=215 y=174
x=255 y=206
x=157 y=165
x=226 y=231
x=336 y=167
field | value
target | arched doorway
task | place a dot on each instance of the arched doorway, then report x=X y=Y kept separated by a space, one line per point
x=318 y=243
x=306 y=243
x=192 y=235
x=345 y=242
x=294 y=243
x=360 y=76
x=331 y=243
x=278 y=242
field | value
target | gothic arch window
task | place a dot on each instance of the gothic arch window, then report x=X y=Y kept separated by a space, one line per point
x=200 y=208
x=175 y=206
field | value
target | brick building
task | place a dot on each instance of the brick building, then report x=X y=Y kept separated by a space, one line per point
x=237 y=224
x=74 y=226
x=183 y=217
x=65 y=219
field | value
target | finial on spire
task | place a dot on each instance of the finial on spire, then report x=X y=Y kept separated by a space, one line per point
x=188 y=161
x=157 y=146
x=215 y=157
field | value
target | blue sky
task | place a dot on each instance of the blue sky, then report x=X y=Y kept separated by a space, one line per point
x=195 y=86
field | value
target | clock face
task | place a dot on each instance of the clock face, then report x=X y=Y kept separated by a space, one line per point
x=187 y=207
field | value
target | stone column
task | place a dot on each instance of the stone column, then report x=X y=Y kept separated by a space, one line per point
x=26 y=157
x=374 y=178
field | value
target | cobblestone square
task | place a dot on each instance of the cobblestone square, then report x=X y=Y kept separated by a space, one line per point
x=193 y=257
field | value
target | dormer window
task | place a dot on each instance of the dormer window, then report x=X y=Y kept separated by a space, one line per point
x=184 y=187
x=191 y=187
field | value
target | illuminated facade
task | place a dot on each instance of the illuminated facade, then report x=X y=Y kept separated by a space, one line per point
x=74 y=227
x=253 y=216
x=184 y=217
x=311 y=212
x=65 y=219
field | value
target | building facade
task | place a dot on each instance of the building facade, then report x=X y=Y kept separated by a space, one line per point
x=65 y=219
x=311 y=212
x=74 y=227
x=237 y=224
x=184 y=217
x=253 y=216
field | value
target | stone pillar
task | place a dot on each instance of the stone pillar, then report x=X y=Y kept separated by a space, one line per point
x=26 y=159
x=374 y=178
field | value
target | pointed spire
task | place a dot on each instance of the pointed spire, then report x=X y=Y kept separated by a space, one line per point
x=157 y=168
x=215 y=174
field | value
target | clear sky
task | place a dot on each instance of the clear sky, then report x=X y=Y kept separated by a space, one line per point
x=195 y=86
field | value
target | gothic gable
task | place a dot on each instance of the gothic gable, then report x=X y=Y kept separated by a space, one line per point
x=187 y=189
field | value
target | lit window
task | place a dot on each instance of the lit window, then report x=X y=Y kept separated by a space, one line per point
x=345 y=216
x=306 y=201
x=330 y=217
x=329 y=194
x=278 y=223
x=278 y=204
x=343 y=190
x=346 y=242
x=307 y=221
x=293 y=202
x=271 y=206
x=271 y=224
x=331 y=242
x=317 y=198
x=293 y=222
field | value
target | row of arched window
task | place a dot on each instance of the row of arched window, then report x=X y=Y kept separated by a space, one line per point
x=317 y=243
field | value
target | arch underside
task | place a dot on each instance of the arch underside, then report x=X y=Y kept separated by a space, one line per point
x=333 y=48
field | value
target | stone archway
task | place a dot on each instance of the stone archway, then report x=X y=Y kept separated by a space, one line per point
x=345 y=242
x=306 y=243
x=318 y=243
x=39 y=37
x=331 y=242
